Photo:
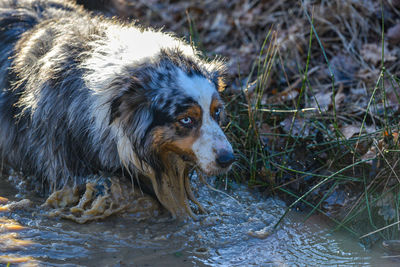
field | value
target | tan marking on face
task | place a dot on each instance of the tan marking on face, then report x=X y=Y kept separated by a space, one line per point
x=182 y=146
x=215 y=104
x=221 y=84
x=166 y=141
x=194 y=112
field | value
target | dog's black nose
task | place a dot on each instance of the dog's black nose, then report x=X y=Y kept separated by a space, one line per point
x=225 y=158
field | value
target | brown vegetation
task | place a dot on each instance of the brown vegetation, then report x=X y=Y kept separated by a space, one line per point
x=313 y=94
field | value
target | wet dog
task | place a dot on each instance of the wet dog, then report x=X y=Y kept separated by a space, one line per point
x=85 y=96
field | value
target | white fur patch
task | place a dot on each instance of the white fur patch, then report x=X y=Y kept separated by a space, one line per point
x=122 y=47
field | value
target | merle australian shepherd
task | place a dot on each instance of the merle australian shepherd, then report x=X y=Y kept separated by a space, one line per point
x=83 y=96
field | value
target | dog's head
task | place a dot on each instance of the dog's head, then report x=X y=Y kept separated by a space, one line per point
x=172 y=106
x=188 y=123
x=171 y=115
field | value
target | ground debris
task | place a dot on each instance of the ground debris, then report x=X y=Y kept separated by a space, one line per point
x=393 y=245
x=393 y=34
x=372 y=53
x=262 y=233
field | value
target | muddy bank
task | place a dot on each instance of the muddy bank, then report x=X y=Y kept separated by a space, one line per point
x=236 y=232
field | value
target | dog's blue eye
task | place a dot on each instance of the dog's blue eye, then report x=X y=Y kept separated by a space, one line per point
x=186 y=121
x=218 y=111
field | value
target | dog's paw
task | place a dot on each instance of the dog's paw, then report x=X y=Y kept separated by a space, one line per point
x=100 y=198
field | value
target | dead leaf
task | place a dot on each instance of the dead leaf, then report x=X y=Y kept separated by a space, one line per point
x=220 y=24
x=284 y=96
x=372 y=53
x=368 y=75
x=393 y=34
x=349 y=130
x=269 y=135
x=392 y=100
x=344 y=68
x=339 y=97
x=322 y=100
x=264 y=129
x=299 y=127
x=289 y=95
x=386 y=208
x=369 y=129
x=336 y=200
x=370 y=155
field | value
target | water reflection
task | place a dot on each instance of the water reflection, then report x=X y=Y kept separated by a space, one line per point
x=11 y=244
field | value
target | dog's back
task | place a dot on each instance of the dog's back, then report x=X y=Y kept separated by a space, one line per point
x=39 y=53
x=17 y=17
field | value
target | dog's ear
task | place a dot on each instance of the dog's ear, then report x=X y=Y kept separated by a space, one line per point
x=130 y=100
x=131 y=110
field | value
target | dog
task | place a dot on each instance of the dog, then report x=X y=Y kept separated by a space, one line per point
x=84 y=95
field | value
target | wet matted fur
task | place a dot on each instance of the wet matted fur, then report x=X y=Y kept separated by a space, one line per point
x=85 y=96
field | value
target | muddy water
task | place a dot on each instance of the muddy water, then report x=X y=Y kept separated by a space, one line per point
x=234 y=233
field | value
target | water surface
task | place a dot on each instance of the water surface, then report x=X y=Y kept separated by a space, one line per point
x=236 y=232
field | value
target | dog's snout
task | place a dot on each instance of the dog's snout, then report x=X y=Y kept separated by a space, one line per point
x=225 y=158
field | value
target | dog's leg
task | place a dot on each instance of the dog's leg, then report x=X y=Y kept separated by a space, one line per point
x=100 y=197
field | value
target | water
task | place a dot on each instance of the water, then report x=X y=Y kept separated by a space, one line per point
x=236 y=232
